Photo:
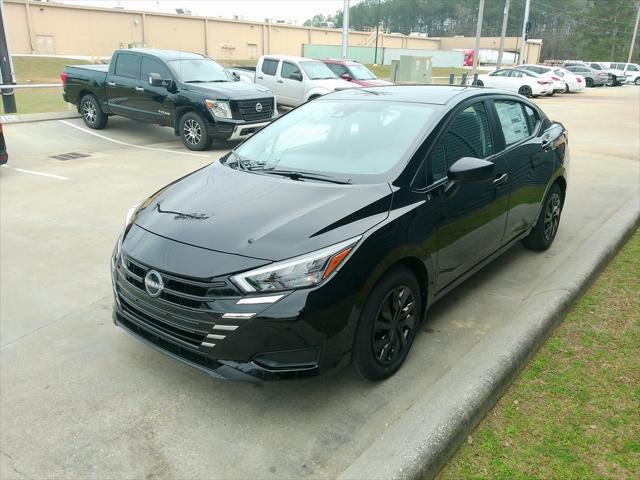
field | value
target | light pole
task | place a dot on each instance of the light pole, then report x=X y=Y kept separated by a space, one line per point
x=476 y=50
x=524 y=31
x=345 y=28
x=505 y=18
x=635 y=33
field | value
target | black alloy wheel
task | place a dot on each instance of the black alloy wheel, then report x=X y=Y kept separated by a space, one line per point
x=387 y=325
x=589 y=82
x=546 y=228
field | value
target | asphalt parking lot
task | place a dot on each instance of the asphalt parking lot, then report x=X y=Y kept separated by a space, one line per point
x=79 y=398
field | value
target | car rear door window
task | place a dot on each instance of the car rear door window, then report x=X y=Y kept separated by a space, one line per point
x=290 y=71
x=467 y=136
x=514 y=122
x=127 y=65
x=152 y=65
x=269 y=66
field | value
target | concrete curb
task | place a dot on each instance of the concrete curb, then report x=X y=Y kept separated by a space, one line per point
x=37 y=117
x=423 y=439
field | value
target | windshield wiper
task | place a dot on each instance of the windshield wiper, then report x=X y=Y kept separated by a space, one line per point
x=295 y=175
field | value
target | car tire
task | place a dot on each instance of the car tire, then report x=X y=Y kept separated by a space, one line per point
x=387 y=325
x=479 y=83
x=637 y=81
x=92 y=114
x=546 y=228
x=193 y=131
x=525 y=91
x=589 y=82
x=567 y=89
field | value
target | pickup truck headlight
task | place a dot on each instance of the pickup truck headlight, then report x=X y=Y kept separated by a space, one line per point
x=304 y=271
x=219 y=109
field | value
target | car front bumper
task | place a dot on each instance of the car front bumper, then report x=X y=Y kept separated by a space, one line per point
x=231 y=335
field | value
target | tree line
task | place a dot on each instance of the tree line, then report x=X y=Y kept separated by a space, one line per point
x=598 y=30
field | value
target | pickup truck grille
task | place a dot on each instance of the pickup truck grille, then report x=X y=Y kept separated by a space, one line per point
x=247 y=109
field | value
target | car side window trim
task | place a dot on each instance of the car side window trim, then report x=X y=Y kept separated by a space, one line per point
x=487 y=102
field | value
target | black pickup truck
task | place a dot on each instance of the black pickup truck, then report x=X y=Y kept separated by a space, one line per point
x=201 y=100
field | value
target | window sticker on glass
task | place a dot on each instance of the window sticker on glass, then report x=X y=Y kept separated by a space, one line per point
x=513 y=121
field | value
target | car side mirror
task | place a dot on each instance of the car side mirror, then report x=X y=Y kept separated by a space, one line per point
x=471 y=170
x=346 y=76
x=296 y=76
x=236 y=76
x=155 y=80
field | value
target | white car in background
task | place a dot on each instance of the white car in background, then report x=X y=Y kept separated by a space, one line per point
x=626 y=72
x=573 y=81
x=528 y=84
x=559 y=84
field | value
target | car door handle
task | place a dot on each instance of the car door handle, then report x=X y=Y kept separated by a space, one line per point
x=139 y=89
x=501 y=179
x=280 y=81
x=260 y=78
x=111 y=84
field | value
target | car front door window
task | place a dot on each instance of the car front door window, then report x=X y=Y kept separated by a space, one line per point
x=513 y=121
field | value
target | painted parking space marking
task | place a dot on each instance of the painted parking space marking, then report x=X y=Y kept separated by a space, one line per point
x=104 y=137
x=32 y=172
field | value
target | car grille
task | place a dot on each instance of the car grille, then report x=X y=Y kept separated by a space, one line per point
x=184 y=313
x=247 y=109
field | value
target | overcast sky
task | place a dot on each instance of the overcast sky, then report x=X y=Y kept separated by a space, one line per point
x=295 y=10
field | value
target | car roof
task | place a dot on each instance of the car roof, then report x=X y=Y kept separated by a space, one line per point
x=166 y=54
x=428 y=94
x=340 y=61
x=293 y=58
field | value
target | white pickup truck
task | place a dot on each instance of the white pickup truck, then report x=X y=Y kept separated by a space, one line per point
x=293 y=80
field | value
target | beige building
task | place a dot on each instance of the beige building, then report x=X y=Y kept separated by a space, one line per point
x=56 y=29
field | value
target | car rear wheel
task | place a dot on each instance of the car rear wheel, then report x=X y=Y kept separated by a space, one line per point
x=92 y=114
x=589 y=82
x=193 y=131
x=480 y=83
x=546 y=228
x=525 y=91
x=387 y=325
x=566 y=89
x=637 y=81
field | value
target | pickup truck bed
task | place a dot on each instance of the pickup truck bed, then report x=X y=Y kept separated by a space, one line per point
x=194 y=95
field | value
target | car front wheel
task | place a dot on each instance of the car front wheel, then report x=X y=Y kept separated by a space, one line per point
x=525 y=91
x=387 y=325
x=193 y=131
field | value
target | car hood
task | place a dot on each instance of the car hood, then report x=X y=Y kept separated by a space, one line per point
x=230 y=90
x=332 y=84
x=261 y=216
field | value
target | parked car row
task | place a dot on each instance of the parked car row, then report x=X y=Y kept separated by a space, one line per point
x=534 y=80
x=200 y=99
x=615 y=73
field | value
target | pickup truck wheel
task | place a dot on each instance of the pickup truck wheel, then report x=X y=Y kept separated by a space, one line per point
x=92 y=114
x=193 y=131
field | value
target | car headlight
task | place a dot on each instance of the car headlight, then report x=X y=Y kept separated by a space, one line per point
x=304 y=271
x=130 y=214
x=219 y=109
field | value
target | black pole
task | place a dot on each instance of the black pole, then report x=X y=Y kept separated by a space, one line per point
x=375 y=59
x=8 y=97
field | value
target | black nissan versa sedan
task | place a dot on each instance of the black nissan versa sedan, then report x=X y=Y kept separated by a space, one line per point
x=323 y=239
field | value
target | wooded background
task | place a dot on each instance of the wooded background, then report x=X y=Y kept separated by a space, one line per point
x=598 y=30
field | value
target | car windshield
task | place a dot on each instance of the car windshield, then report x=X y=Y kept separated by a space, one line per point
x=200 y=71
x=345 y=140
x=360 y=72
x=317 y=70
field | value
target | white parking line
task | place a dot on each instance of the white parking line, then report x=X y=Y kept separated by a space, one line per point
x=50 y=175
x=131 y=144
